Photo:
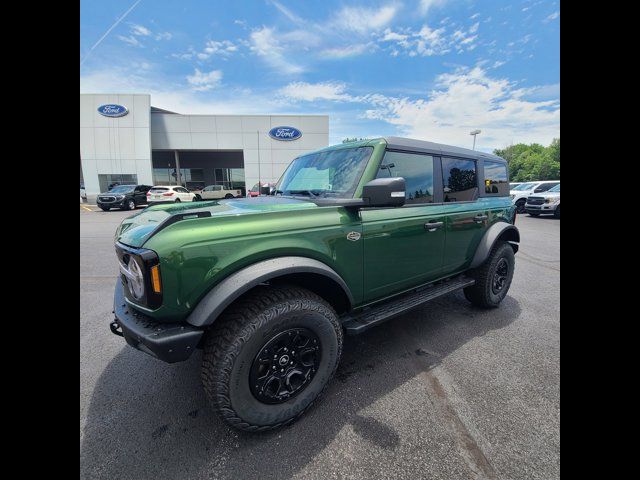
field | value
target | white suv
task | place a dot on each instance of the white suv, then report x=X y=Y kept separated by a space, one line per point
x=520 y=193
x=169 y=193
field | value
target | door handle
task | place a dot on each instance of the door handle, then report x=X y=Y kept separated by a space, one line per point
x=433 y=226
x=480 y=218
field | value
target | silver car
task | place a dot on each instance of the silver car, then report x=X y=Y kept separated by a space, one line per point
x=547 y=203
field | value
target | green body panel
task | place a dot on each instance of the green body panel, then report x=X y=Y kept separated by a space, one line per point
x=395 y=252
x=198 y=253
x=398 y=250
x=463 y=233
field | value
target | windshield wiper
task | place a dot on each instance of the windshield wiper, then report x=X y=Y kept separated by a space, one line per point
x=308 y=193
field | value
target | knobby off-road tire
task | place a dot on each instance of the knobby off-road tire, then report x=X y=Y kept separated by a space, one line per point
x=493 y=277
x=243 y=333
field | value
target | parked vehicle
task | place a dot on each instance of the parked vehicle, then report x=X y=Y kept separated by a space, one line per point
x=353 y=235
x=83 y=193
x=547 y=203
x=216 y=192
x=169 y=194
x=520 y=193
x=265 y=189
x=513 y=185
x=124 y=197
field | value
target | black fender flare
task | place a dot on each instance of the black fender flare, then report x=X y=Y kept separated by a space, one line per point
x=229 y=289
x=498 y=230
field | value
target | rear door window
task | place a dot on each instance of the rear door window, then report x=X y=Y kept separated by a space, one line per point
x=459 y=179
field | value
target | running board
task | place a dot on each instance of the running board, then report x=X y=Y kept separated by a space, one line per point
x=361 y=321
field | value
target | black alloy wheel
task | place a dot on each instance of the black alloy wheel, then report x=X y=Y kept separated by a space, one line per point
x=285 y=365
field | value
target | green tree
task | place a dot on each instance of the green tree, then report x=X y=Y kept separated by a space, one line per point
x=532 y=162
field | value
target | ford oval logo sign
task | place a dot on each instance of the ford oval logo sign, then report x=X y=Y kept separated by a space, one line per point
x=112 y=110
x=285 y=133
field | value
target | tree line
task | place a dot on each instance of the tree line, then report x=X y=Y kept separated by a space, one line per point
x=532 y=162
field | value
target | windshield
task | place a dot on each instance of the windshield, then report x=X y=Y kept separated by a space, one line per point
x=524 y=186
x=330 y=172
x=122 y=189
x=555 y=189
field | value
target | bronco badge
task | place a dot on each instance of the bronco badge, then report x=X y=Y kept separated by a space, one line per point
x=353 y=236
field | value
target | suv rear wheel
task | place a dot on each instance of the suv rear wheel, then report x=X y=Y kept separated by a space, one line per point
x=493 y=277
x=270 y=356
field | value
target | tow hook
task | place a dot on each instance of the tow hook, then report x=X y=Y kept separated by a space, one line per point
x=115 y=328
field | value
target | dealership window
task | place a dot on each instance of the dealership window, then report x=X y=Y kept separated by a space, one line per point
x=107 y=181
x=495 y=178
x=192 y=178
x=459 y=180
x=417 y=171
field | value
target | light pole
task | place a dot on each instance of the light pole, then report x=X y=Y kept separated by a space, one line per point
x=474 y=133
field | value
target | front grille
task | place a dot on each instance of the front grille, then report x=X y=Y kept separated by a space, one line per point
x=535 y=200
x=107 y=199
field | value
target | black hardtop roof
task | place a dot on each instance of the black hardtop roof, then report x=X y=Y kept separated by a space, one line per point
x=402 y=143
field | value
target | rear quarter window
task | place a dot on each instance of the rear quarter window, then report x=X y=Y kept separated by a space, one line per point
x=495 y=179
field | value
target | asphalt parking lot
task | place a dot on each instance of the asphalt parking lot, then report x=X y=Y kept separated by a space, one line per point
x=445 y=391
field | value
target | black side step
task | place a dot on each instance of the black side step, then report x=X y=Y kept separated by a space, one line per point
x=361 y=321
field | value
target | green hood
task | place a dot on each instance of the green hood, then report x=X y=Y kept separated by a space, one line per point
x=136 y=229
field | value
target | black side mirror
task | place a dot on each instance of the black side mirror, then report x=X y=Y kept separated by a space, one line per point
x=384 y=192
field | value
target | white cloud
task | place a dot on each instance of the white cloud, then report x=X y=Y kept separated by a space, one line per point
x=140 y=30
x=287 y=13
x=363 y=20
x=266 y=45
x=425 y=5
x=130 y=40
x=164 y=36
x=390 y=36
x=204 y=81
x=223 y=48
x=551 y=17
x=346 y=51
x=309 y=92
x=474 y=27
x=474 y=16
x=468 y=99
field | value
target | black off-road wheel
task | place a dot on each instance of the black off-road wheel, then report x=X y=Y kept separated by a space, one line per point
x=493 y=277
x=270 y=356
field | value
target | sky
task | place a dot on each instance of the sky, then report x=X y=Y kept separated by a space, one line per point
x=426 y=69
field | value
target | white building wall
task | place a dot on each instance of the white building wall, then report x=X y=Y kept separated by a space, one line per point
x=264 y=157
x=115 y=145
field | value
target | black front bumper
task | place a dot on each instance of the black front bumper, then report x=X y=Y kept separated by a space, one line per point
x=169 y=342
x=112 y=204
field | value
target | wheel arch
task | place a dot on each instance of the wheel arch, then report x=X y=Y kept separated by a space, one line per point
x=501 y=231
x=303 y=271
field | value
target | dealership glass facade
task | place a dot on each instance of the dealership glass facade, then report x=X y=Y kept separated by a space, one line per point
x=111 y=179
x=194 y=178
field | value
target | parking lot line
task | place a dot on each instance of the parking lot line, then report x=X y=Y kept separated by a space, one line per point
x=87 y=209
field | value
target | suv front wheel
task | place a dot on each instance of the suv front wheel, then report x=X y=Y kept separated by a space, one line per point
x=493 y=277
x=270 y=356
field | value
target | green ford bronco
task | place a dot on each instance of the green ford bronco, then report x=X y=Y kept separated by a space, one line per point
x=352 y=235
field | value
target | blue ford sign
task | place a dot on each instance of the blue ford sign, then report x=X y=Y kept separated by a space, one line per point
x=112 y=110
x=285 y=133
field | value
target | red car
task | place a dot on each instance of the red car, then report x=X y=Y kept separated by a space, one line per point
x=266 y=190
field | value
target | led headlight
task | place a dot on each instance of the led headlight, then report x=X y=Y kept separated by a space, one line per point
x=119 y=197
x=136 y=279
x=552 y=200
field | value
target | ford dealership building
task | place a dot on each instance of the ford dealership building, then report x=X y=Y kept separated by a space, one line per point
x=123 y=139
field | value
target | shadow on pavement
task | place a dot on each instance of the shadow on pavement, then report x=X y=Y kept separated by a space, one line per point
x=147 y=419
